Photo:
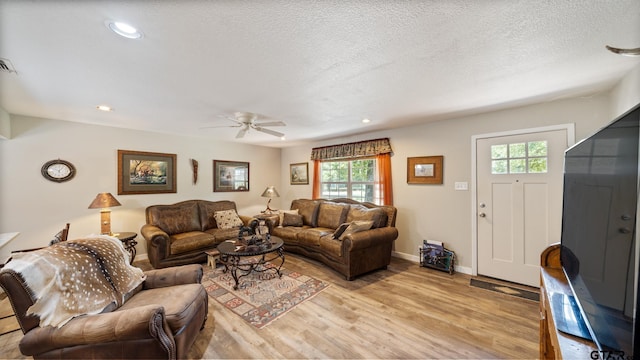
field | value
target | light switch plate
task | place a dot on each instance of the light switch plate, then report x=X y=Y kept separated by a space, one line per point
x=461 y=185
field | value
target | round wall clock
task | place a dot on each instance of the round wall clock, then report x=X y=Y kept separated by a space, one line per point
x=58 y=170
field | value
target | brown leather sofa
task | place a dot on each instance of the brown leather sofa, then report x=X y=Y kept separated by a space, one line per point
x=179 y=234
x=159 y=318
x=356 y=253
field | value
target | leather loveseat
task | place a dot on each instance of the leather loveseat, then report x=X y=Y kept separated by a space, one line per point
x=179 y=234
x=81 y=299
x=313 y=234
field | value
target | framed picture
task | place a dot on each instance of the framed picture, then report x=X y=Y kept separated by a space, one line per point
x=146 y=172
x=230 y=176
x=299 y=173
x=424 y=170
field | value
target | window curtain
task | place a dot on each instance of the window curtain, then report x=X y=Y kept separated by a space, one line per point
x=379 y=148
x=316 y=179
x=383 y=179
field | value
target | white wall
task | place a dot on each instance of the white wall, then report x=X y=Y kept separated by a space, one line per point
x=438 y=211
x=38 y=208
x=5 y=125
x=626 y=94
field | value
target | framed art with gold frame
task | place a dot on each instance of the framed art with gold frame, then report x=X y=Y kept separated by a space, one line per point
x=141 y=172
x=299 y=173
x=425 y=169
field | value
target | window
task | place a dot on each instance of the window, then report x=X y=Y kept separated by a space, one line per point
x=519 y=158
x=352 y=179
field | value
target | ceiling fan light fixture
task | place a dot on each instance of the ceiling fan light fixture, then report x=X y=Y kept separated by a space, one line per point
x=124 y=30
x=106 y=108
x=366 y=121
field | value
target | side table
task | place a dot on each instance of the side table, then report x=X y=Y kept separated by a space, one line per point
x=129 y=241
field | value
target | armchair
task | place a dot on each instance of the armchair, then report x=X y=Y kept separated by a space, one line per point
x=157 y=314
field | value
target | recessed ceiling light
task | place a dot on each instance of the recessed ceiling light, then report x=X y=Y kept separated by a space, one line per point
x=104 y=108
x=124 y=29
x=366 y=121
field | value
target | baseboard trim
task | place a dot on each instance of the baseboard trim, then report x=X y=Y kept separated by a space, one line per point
x=416 y=259
x=141 y=257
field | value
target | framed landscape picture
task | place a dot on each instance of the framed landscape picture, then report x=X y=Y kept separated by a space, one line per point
x=425 y=170
x=299 y=173
x=230 y=176
x=146 y=172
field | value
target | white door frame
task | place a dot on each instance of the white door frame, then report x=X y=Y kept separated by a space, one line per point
x=571 y=138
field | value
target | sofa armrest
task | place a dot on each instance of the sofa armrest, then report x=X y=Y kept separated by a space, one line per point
x=138 y=323
x=246 y=219
x=158 y=243
x=178 y=275
x=369 y=238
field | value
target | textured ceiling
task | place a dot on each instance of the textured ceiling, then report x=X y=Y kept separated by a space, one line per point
x=319 y=66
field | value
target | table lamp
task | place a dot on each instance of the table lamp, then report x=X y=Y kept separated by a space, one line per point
x=270 y=192
x=104 y=201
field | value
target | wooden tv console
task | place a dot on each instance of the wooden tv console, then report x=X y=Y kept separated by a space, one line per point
x=553 y=343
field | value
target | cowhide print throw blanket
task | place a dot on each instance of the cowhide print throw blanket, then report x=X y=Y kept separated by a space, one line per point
x=76 y=277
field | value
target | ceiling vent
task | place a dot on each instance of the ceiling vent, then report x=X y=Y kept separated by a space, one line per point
x=6 y=66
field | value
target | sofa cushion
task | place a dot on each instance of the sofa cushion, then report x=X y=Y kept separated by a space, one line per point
x=331 y=246
x=281 y=215
x=308 y=209
x=331 y=215
x=227 y=219
x=291 y=220
x=311 y=236
x=355 y=227
x=223 y=234
x=190 y=241
x=340 y=230
x=175 y=219
x=178 y=302
x=209 y=208
x=362 y=213
x=288 y=234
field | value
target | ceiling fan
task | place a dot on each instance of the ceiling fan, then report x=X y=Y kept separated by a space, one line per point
x=246 y=121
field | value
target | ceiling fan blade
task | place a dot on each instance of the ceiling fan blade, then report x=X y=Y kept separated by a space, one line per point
x=241 y=133
x=270 y=132
x=271 y=123
x=627 y=52
x=221 y=126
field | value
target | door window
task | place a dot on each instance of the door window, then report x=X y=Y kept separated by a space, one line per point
x=519 y=158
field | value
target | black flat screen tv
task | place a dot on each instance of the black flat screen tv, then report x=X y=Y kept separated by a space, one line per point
x=599 y=242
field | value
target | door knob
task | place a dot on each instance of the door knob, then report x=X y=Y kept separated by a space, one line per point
x=482 y=215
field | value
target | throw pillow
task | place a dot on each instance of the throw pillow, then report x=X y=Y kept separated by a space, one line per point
x=227 y=219
x=281 y=214
x=356 y=226
x=340 y=230
x=291 y=220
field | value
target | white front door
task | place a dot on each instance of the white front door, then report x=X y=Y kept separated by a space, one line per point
x=519 y=202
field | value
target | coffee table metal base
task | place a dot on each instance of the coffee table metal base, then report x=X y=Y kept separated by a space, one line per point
x=239 y=269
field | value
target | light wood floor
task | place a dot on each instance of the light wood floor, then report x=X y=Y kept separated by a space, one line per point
x=404 y=312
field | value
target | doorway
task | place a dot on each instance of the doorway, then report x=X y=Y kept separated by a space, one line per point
x=517 y=200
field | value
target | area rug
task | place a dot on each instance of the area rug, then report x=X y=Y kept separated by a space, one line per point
x=261 y=296
x=505 y=289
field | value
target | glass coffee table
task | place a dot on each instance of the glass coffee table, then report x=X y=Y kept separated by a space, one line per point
x=234 y=256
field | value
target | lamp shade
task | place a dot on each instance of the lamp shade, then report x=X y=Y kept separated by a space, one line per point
x=270 y=192
x=104 y=200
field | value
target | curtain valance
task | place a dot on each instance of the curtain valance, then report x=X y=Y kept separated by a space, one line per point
x=352 y=150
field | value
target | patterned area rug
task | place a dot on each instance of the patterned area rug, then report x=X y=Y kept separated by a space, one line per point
x=262 y=296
